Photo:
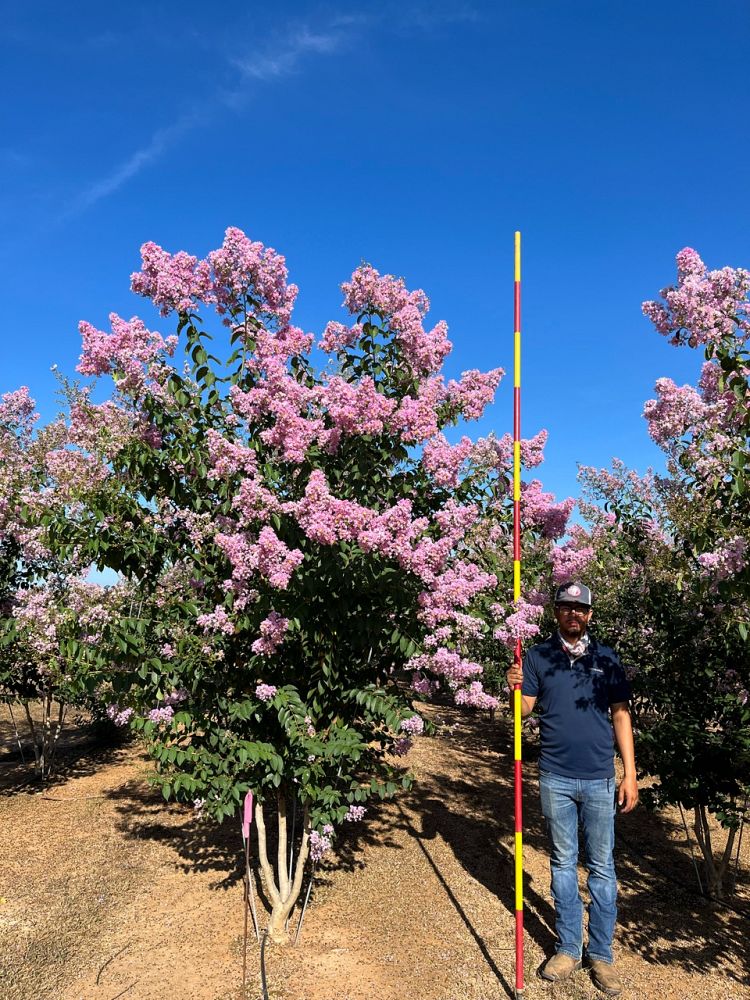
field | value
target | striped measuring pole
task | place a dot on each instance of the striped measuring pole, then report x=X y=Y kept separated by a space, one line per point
x=518 y=781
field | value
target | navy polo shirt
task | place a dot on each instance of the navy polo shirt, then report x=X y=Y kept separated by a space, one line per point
x=573 y=701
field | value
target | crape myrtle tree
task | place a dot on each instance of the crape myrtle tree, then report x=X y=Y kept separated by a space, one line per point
x=295 y=540
x=704 y=429
x=48 y=611
x=670 y=565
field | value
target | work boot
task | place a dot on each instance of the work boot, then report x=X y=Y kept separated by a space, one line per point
x=560 y=967
x=605 y=977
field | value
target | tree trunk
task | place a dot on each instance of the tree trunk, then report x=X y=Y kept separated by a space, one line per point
x=715 y=870
x=45 y=736
x=282 y=891
x=38 y=757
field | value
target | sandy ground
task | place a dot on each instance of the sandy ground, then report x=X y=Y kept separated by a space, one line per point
x=107 y=892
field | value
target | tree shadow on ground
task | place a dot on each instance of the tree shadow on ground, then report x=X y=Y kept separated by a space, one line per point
x=86 y=750
x=465 y=797
x=198 y=843
x=661 y=916
x=207 y=846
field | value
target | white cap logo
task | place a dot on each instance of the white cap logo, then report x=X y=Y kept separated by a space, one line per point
x=574 y=591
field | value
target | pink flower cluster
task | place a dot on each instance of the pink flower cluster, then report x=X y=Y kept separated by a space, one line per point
x=272 y=632
x=423 y=350
x=393 y=533
x=446 y=663
x=296 y=423
x=726 y=561
x=171 y=281
x=265 y=692
x=241 y=263
x=401 y=747
x=254 y=502
x=276 y=562
x=413 y=726
x=569 y=560
x=539 y=510
x=128 y=349
x=176 y=697
x=474 y=696
x=416 y=418
x=474 y=391
x=120 y=716
x=618 y=484
x=216 y=621
x=454 y=588
x=532 y=449
x=320 y=843
x=675 y=413
x=522 y=623
x=337 y=337
x=17 y=412
x=444 y=461
x=268 y=556
x=355 y=814
x=177 y=282
x=705 y=306
x=356 y=407
x=229 y=457
x=75 y=471
x=326 y=519
x=161 y=714
x=369 y=292
x=423 y=686
x=497 y=453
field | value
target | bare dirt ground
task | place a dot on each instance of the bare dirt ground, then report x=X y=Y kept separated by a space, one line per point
x=106 y=892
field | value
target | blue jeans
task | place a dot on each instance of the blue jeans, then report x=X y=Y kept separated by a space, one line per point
x=565 y=803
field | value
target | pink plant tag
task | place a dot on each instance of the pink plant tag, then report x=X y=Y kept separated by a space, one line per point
x=247 y=816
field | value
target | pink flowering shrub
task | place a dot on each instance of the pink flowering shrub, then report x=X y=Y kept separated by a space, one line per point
x=669 y=563
x=51 y=619
x=298 y=539
x=704 y=307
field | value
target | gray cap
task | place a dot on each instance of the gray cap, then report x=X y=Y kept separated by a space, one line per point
x=573 y=593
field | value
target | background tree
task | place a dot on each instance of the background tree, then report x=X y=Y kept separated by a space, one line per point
x=670 y=557
x=49 y=614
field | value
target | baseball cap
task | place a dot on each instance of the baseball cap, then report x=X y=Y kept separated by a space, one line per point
x=573 y=593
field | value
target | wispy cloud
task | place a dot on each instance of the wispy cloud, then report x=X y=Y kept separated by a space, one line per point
x=285 y=57
x=279 y=60
x=282 y=57
x=161 y=140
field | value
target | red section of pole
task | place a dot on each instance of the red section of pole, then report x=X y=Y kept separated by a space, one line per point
x=519 y=951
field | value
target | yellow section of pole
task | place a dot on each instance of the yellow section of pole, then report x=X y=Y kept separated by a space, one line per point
x=519 y=872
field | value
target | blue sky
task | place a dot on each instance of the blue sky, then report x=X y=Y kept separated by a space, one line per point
x=417 y=136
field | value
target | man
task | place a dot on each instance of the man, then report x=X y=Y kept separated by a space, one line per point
x=577 y=684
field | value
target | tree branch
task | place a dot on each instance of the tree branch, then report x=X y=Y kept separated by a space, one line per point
x=265 y=866
x=281 y=854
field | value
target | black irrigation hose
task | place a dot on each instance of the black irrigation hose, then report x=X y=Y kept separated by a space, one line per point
x=263 y=983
